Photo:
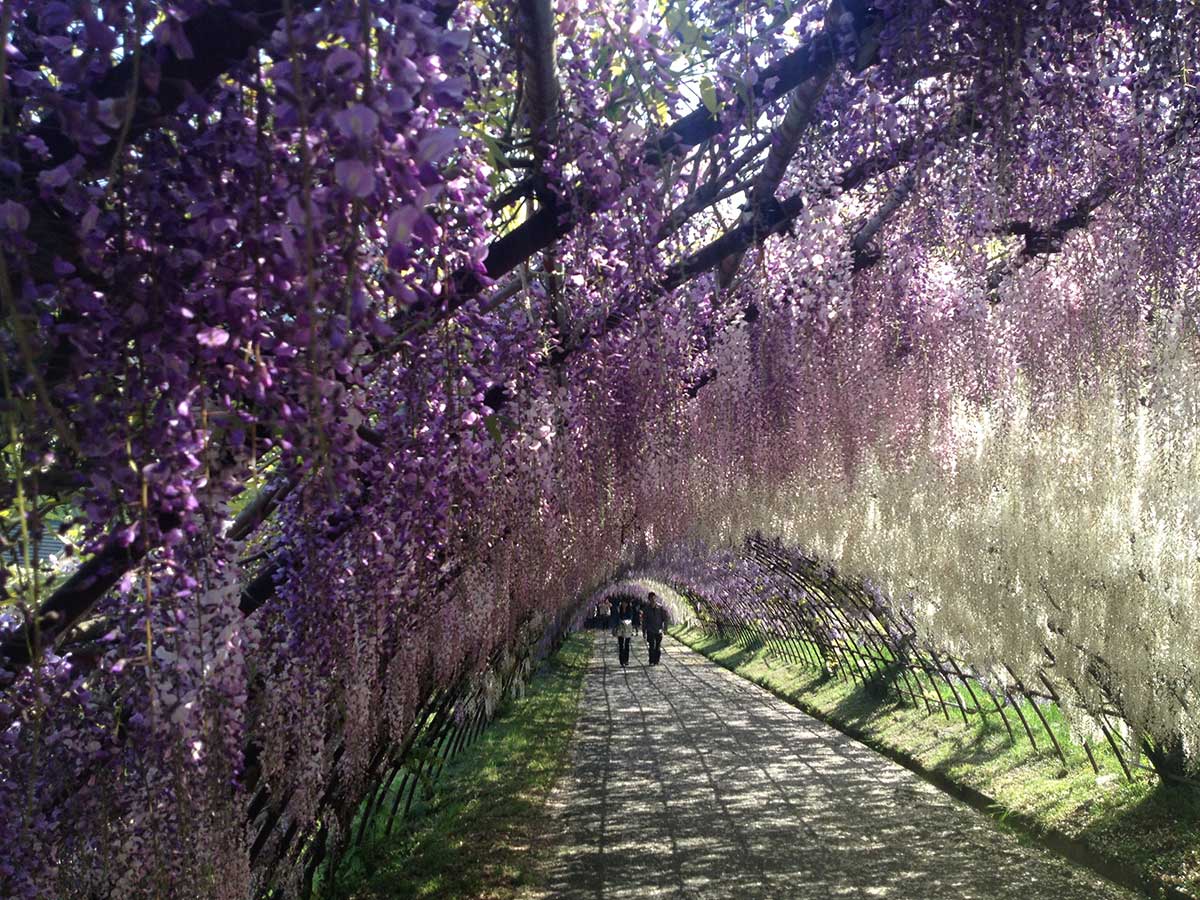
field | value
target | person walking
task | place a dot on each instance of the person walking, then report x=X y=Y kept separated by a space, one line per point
x=625 y=632
x=654 y=623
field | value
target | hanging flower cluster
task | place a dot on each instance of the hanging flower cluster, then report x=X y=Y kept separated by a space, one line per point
x=350 y=340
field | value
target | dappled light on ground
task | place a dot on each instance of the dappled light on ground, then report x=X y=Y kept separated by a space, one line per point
x=690 y=782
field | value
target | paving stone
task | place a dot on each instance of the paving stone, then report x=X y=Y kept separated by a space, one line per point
x=688 y=781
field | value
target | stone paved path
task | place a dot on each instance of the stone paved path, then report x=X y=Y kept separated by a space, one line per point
x=689 y=781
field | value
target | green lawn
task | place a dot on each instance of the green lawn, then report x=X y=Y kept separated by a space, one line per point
x=480 y=833
x=1139 y=828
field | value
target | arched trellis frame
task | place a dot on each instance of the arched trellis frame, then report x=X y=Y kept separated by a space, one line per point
x=806 y=613
x=447 y=720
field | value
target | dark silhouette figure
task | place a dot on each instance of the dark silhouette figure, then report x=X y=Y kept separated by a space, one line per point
x=654 y=623
x=625 y=631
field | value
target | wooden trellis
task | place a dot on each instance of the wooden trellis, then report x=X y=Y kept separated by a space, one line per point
x=447 y=721
x=815 y=618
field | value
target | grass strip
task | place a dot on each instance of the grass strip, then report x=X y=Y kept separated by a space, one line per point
x=1142 y=833
x=476 y=836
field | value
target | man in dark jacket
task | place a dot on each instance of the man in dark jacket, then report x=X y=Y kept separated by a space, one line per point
x=654 y=623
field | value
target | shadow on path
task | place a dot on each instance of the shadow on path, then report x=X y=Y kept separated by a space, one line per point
x=688 y=781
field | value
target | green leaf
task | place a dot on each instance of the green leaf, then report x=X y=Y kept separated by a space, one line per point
x=675 y=17
x=708 y=93
x=493 y=428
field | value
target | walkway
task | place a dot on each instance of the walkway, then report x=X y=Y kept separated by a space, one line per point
x=691 y=782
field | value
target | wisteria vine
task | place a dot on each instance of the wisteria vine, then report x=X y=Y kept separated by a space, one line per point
x=346 y=341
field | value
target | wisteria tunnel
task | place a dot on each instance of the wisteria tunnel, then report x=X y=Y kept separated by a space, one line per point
x=368 y=364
